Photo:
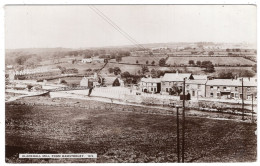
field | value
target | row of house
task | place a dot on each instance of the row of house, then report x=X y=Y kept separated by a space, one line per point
x=199 y=86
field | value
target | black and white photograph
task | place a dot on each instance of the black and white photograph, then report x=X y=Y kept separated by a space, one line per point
x=130 y=83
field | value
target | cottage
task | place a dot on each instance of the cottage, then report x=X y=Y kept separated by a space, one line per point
x=173 y=79
x=152 y=85
x=231 y=88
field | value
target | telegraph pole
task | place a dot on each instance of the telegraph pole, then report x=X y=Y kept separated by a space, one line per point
x=178 y=136
x=183 y=121
x=252 y=108
x=243 y=113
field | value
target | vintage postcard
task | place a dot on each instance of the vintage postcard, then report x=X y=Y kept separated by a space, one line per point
x=130 y=83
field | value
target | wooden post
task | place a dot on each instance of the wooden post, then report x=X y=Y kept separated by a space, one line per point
x=178 y=136
x=183 y=122
x=252 y=108
x=243 y=113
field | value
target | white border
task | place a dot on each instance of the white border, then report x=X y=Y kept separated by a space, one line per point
x=52 y=2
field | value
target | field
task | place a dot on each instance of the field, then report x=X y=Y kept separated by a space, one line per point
x=215 y=60
x=133 y=69
x=119 y=136
x=141 y=60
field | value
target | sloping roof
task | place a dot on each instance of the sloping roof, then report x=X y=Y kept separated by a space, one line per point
x=200 y=77
x=230 y=82
x=152 y=80
x=175 y=76
x=224 y=82
x=196 y=81
x=109 y=80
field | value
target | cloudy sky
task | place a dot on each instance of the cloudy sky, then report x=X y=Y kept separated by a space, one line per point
x=78 y=26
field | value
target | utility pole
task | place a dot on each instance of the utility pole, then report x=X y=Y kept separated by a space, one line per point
x=178 y=136
x=243 y=113
x=252 y=108
x=183 y=122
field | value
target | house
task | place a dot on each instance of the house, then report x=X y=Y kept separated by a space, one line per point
x=87 y=60
x=84 y=81
x=108 y=81
x=152 y=85
x=231 y=88
x=173 y=79
x=196 y=88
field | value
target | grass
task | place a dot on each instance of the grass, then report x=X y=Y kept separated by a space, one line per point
x=214 y=60
x=118 y=136
x=141 y=60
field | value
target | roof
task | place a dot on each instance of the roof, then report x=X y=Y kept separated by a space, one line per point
x=196 y=81
x=232 y=82
x=200 y=77
x=224 y=82
x=175 y=76
x=152 y=80
x=109 y=80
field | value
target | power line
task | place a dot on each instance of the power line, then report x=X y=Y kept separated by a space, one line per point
x=119 y=27
x=108 y=20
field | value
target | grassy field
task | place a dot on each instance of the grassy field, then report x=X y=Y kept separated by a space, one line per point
x=133 y=69
x=118 y=136
x=141 y=60
x=214 y=60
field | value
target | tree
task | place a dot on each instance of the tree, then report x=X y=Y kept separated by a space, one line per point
x=226 y=75
x=162 y=62
x=125 y=74
x=198 y=63
x=117 y=70
x=116 y=82
x=191 y=62
x=247 y=73
x=175 y=90
x=144 y=69
x=153 y=73
x=20 y=60
x=136 y=62
x=160 y=73
x=147 y=62
x=153 y=62
x=118 y=58
x=110 y=70
x=210 y=68
x=254 y=68
x=211 y=53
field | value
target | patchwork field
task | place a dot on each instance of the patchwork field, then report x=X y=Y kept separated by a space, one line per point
x=214 y=60
x=141 y=60
x=118 y=136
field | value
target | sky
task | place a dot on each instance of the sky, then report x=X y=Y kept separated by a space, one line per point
x=78 y=26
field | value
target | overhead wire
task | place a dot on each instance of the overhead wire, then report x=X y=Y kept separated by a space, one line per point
x=115 y=26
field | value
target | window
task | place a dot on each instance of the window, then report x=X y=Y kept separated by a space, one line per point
x=187 y=86
x=166 y=89
x=211 y=87
x=248 y=88
x=218 y=88
x=235 y=88
x=224 y=88
x=151 y=89
x=193 y=93
x=155 y=89
x=218 y=94
x=198 y=86
x=211 y=94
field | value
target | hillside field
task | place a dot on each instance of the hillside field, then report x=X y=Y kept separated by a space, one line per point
x=119 y=136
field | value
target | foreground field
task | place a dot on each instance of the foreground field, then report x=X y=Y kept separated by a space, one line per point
x=119 y=136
